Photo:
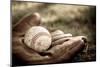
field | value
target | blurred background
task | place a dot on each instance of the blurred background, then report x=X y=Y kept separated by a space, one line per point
x=74 y=19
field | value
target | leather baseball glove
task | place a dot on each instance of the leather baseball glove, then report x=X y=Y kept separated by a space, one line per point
x=62 y=49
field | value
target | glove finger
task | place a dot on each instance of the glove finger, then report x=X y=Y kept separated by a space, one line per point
x=27 y=22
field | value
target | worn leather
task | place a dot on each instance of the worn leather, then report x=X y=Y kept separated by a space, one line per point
x=55 y=54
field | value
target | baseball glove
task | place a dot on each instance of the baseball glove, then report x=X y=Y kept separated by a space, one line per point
x=63 y=46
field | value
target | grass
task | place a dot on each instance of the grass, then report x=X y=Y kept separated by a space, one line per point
x=75 y=19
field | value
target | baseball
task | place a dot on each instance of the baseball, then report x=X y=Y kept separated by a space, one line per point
x=38 y=38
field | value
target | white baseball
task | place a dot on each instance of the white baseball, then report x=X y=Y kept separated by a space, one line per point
x=38 y=38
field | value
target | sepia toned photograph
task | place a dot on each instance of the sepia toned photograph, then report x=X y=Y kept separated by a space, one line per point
x=52 y=33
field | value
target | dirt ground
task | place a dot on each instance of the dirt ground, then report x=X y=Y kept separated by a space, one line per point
x=75 y=19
